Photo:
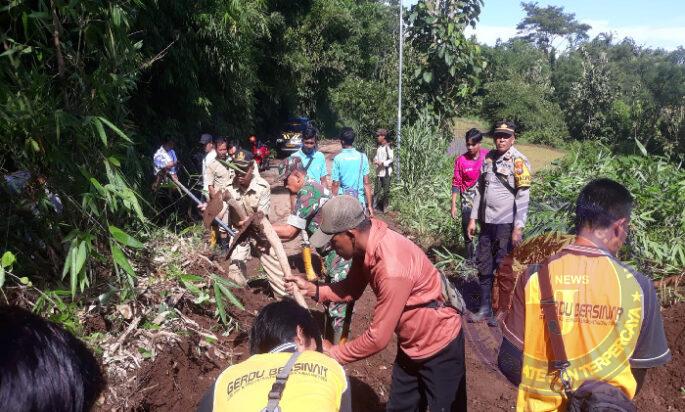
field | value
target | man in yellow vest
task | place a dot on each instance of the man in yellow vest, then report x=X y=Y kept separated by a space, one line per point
x=607 y=314
x=286 y=372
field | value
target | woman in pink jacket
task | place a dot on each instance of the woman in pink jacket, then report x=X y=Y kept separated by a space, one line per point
x=467 y=169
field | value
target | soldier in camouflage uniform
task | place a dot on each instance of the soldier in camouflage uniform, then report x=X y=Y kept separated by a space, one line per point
x=310 y=196
x=501 y=207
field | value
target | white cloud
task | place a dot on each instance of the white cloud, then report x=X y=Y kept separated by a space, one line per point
x=490 y=34
x=666 y=37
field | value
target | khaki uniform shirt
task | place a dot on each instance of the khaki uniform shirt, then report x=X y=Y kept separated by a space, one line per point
x=498 y=204
x=218 y=176
x=257 y=197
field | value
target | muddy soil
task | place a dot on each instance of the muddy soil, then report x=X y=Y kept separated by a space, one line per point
x=177 y=378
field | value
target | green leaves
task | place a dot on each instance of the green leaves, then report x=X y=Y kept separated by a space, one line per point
x=6 y=262
x=74 y=264
x=122 y=262
x=222 y=290
x=124 y=238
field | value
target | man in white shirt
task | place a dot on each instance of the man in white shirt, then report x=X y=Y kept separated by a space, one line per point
x=210 y=154
x=164 y=162
x=383 y=161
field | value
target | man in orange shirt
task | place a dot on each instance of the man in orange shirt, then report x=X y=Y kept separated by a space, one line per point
x=429 y=370
x=608 y=313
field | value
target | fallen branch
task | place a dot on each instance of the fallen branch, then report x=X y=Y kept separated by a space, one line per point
x=122 y=338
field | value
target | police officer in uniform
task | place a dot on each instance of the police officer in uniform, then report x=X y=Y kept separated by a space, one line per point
x=501 y=207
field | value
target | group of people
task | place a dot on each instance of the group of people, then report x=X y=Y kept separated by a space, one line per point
x=581 y=331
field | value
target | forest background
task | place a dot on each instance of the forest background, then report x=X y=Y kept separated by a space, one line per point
x=89 y=89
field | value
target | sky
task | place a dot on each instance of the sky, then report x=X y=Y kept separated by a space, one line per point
x=651 y=23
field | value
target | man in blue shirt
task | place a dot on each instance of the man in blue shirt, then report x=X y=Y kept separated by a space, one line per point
x=313 y=161
x=351 y=171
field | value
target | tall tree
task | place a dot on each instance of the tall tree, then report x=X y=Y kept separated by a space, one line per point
x=544 y=26
x=445 y=65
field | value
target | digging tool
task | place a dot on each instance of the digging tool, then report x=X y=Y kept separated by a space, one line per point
x=307 y=257
x=197 y=201
x=262 y=228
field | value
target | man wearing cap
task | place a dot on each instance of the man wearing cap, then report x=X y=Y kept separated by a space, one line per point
x=383 y=161
x=253 y=194
x=310 y=196
x=429 y=370
x=207 y=143
x=501 y=207
x=350 y=171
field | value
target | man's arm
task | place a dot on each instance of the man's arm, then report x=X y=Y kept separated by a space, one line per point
x=348 y=289
x=335 y=177
x=367 y=193
x=651 y=349
x=323 y=172
x=286 y=232
x=510 y=358
x=391 y=298
x=391 y=157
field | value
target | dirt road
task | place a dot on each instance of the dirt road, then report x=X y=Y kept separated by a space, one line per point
x=177 y=377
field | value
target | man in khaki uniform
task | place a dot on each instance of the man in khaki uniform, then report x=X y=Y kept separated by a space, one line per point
x=253 y=194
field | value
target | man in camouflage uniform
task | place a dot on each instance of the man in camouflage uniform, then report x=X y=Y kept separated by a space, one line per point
x=253 y=194
x=310 y=196
x=501 y=207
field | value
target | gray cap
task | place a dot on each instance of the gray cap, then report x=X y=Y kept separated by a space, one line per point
x=339 y=214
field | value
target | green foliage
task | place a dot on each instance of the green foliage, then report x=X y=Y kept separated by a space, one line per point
x=422 y=197
x=444 y=66
x=66 y=69
x=656 y=244
x=591 y=98
x=525 y=103
x=543 y=25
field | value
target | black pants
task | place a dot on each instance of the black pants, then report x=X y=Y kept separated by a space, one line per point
x=468 y=242
x=382 y=193
x=438 y=383
x=494 y=243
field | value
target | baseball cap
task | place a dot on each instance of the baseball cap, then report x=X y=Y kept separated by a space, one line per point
x=289 y=165
x=337 y=215
x=382 y=132
x=206 y=138
x=243 y=159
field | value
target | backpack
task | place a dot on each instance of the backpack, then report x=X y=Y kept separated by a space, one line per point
x=451 y=297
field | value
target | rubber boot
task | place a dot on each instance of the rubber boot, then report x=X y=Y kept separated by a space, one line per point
x=485 y=310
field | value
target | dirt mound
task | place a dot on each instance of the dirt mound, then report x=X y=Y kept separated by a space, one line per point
x=663 y=389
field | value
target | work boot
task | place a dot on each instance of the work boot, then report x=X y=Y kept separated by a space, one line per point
x=485 y=310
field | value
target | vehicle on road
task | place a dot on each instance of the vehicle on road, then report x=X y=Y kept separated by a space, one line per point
x=261 y=153
x=290 y=137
